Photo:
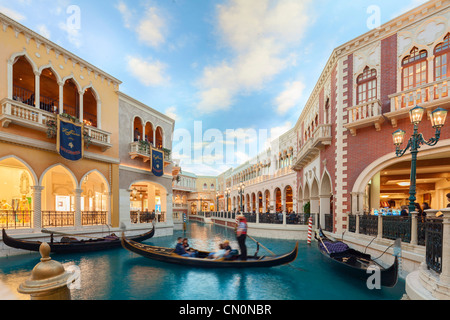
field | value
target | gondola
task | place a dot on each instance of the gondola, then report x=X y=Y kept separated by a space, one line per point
x=71 y=245
x=167 y=255
x=354 y=262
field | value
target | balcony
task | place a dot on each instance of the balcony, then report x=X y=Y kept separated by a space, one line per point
x=428 y=96
x=142 y=151
x=311 y=149
x=18 y=113
x=365 y=115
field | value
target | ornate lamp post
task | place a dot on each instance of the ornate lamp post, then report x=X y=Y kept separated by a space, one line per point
x=228 y=194
x=438 y=118
x=217 y=201
x=241 y=189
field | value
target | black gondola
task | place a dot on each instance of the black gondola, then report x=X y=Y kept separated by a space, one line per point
x=70 y=245
x=167 y=255
x=355 y=262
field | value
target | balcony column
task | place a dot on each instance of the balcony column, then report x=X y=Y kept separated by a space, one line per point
x=81 y=115
x=273 y=205
x=154 y=137
x=78 y=208
x=61 y=97
x=37 y=89
x=37 y=207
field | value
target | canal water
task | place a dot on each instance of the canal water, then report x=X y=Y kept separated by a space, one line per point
x=121 y=275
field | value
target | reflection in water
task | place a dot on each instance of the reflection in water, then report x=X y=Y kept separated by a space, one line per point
x=121 y=275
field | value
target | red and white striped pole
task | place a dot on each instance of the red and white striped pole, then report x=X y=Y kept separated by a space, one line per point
x=310 y=230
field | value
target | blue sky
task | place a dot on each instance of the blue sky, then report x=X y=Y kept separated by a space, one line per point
x=231 y=64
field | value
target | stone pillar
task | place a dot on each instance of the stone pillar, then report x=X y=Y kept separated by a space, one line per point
x=81 y=115
x=124 y=208
x=37 y=207
x=273 y=205
x=380 y=227
x=169 y=210
x=445 y=275
x=414 y=234
x=61 y=97
x=37 y=90
x=78 y=208
x=358 y=215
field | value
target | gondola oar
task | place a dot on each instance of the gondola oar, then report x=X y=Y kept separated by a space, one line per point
x=262 y=246
x=259 y=244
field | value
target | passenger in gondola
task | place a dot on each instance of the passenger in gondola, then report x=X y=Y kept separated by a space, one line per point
x=181 y=251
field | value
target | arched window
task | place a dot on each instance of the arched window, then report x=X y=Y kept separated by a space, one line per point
x=23 y=81
x=441 y=62
x=90 y=108
x=205 y=187
x=71 y=99
x=367 y=86
x=414 y=69
x=49 y=91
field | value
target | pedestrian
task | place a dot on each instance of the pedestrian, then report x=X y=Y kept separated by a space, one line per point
x=241 y=234
x=404 y=212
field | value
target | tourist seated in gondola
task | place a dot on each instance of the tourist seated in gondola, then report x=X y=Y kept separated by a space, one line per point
x=181 y=251
x=186 y=245
x=219 y=254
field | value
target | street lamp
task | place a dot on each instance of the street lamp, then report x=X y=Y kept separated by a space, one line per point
x=228 y=194
x=438 y=118
x=217 y=200
x=241 y=189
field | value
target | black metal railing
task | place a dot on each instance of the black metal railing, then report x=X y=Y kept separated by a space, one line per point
x=271 y=218
x=434 y=243
x=94 y=218
x=368 y=225
x=251 y=217
x=58 y=219
x=147 y=217
x=397 y=228
x=298 y=218
x=15 y=219
x=352 y=223
x=329 y=225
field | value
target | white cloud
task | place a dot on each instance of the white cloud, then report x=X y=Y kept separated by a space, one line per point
x=259 y=33
x=149 y=73
x=12 y=14
x=73 y=34
x=126 y=13
x=172 y=113
x=150 y=28
x=290 y=97
x=44 y=31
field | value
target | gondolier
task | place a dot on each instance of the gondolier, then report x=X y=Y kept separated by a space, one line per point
x=241 y=235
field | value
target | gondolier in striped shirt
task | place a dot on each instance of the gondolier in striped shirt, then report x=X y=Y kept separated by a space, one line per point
x=241 y=234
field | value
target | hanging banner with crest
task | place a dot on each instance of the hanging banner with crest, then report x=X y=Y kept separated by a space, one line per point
x=70 y=139
x=157 y=162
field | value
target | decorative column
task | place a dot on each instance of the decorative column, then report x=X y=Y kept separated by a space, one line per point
x=61 y=97
x=358 y=216
x=37 y=207
x=414 y=234
x=445 y=275
x=380 y=227
x=37 y=89
x=78 y=193
x=81 y=115
x=169 y=209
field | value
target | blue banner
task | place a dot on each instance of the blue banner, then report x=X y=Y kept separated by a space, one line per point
x=70 y=141
x=157 y=163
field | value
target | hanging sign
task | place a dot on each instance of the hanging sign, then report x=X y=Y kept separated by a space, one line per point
x=157 y=162
x=70 y=140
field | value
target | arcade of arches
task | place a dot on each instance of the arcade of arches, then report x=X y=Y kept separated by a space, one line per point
x=53 y=201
